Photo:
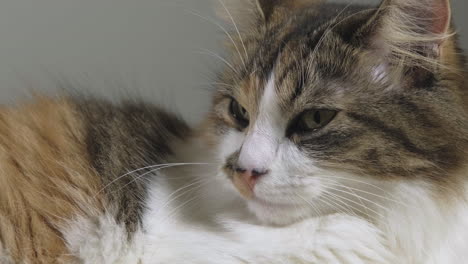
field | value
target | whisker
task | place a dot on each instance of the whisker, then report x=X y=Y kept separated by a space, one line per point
x=154 y=170
x=215 y=55
x=144 y=174
x=180 y=206
x=315 y=208
x=354 y=202
x=218 y=83
x=349 y=203
x=352 y=191
x=354 y=208
x=345 y=208
x=238 y=32
x=223 y=29
x=166 y=165
x=172 y=198
x=357 y=181
x=348 y=206
x=361 y=191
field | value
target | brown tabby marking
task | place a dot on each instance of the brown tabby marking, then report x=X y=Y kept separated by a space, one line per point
x=123 y=138
x=45 y=179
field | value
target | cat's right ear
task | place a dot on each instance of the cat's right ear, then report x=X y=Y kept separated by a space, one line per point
x=411 y=30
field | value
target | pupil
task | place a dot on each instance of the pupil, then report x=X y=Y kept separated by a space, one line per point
x=317 y=117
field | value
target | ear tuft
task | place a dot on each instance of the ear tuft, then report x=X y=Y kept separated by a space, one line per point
x=412 y=30
x=266 y=8
x=429 y=17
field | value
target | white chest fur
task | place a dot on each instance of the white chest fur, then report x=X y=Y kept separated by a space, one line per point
x=171 y=233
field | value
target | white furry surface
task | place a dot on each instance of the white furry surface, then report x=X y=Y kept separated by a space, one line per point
x=424 y=230
x=172 y=232
x=332 y=239
x=216 y=227
x=416 y=236
x=102 y=240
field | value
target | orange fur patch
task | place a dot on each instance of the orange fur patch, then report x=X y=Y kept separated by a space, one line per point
x=45 y=179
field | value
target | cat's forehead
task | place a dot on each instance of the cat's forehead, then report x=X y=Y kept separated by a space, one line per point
x=299 y=34
x=300 y=77
x=305 y=54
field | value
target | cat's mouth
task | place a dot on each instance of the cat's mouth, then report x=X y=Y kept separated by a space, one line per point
x=276 y=213
x=269 y=210
x=269 y=204
x=247 y=191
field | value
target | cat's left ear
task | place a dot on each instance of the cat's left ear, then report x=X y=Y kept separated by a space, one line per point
x=414 y=29
x=267 y=8
x=247 y=13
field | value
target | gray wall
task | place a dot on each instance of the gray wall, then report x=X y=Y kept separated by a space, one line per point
x=154 y=49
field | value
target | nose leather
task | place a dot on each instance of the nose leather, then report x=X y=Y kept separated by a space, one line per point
x=245 y=180
x=250 y=177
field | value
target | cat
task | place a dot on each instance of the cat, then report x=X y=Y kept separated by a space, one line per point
x=337 y=134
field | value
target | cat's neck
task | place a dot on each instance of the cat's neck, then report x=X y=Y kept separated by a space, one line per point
x=422 y=214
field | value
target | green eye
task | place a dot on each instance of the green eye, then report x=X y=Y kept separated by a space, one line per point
x=239 y=113
x=315 y=119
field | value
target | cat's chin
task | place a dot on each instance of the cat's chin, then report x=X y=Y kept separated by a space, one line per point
x=278 y=213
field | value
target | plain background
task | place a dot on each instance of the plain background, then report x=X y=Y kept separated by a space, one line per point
x=151 y=49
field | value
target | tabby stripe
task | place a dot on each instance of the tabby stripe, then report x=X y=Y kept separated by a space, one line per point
x=422 y=114
x=394 y=133
x=305 y=27
x=333 y=140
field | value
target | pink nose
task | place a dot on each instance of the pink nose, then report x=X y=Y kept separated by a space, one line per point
x=251 y=176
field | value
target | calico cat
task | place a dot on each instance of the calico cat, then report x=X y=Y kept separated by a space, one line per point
x=337 y=134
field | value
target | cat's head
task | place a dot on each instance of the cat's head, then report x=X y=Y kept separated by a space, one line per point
x=320 y=103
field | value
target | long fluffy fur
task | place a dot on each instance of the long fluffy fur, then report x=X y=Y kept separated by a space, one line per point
x=45 y=178
x=387 y=178
x=408 y=34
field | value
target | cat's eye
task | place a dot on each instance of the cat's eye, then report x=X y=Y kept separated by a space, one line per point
x=239 y=113
x=314 y=119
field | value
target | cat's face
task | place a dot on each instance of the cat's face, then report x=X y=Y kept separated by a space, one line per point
x=312 y=112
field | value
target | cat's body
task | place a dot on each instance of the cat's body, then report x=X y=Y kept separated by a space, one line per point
x=343 y=129
x=58 y=206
